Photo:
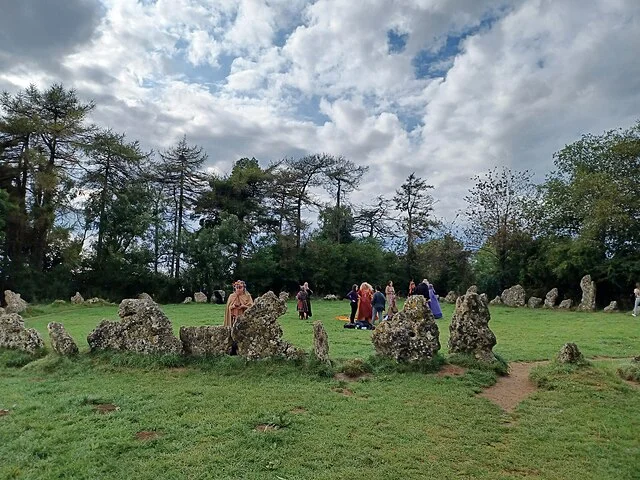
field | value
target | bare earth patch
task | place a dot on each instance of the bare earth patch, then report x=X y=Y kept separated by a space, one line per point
x=509 y=391
x=343 y=377
x=266 y=427
x=3 y=412
x=451 y=371
x=145 y=435
x=106 y=408
x=344 y=391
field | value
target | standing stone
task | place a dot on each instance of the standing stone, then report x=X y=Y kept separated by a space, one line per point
x=411 y=336
x=200 y=297
x=14 y=335
x=588 y=303
x=514 y=296
x=320 y=342
x=550 y=298
x=77 y=299
x=569 y=353
x=15 y=304
x=496 y=301
x=187 y=300
x=612 y=307
x=566 y=304
x=484 y=298
x=472 y=289
x=218 y=297
x=210 y=340
x=331 y=297
x=469 y=330
x=2 y=312
x=451 y=297
x=145 y=296
x=534 y=302
x=283 y=296
x=143 y=328
x=61 y=342
x=257 y=332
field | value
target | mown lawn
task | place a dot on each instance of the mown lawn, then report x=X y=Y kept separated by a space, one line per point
x=202 y=416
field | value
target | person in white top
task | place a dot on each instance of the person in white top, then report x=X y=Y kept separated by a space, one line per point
x=636 y=292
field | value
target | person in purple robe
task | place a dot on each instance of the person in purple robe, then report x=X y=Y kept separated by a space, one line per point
x=434 y=304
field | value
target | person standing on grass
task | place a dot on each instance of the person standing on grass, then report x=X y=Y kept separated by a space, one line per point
x=365 y=296
x=412 y=288
x=391 y=300
x=309 y=293
x=378 y=304
x=239 y=301
x=353 y=301
x=303 y=306
x=423 y=289
x=434 y=303
x=636 y=293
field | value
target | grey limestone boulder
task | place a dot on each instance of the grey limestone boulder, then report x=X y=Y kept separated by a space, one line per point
x=331 y=297
x=566 y=304
x=550 y=298
x=257 y=332
x=472 y=289
x=320 y=342
x=412 y=335
x=15 y=304
x=200 y=297
x=187 y=300
x=588 y=302
x=14 y=335
x=514 y=296
x=61 y=342
x=484 y=298
x=469 y=330
x=145 y=296
x=570 y=353
x=77 y=299
x=451 y=297
x=496 y=301
x=612 y=307
x=210 y=340
x=534 y=302
x=143 y=328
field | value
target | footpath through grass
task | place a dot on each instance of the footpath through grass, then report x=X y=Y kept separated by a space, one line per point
x=227 y=419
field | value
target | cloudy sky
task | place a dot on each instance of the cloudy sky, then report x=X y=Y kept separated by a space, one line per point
x=447 y=89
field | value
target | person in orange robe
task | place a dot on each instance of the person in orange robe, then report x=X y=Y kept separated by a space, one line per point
x=239 y=301
x=365 y=295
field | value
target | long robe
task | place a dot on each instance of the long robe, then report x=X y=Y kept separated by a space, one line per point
x=303 y=305
x=236 y=306
x=434 y=304
x=365 y=310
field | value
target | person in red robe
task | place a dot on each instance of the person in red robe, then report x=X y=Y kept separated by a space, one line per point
x=365 y=310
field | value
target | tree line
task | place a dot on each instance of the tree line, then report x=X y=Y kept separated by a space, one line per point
x=86 y=208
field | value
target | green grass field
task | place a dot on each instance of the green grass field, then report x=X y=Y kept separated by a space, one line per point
x=200 y=418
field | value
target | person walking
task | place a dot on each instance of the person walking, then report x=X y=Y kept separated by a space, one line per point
x=636 y=292
x=353 y=301
x=378 y=305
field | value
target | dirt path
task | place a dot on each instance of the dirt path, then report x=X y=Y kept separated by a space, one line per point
x=509 y=391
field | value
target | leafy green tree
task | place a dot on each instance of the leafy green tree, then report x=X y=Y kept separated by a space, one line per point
x=446 y=263
x=336 y=224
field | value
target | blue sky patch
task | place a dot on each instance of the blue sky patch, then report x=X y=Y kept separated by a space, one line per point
x=396 y=41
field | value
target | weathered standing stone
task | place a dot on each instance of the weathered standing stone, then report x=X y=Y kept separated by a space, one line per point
x=143 y=328
x=200 y=297
x=550 y=298
x=77 y=299
x=2 y=312
x=412 y=335
x=14 y=335
x=218 y=297
x=15 y=304
x=484 y=298
x=331 y=297
x=566 y=304
x=61 y=341
x=496 y=301
x=145 y=296
x=472 y=289
x=451 y=297
x=257 y=332
x=320 y=342
x=612 y=307
x=284 y=296
x=469 y=330
x=188 y=300
x=588 y=303
x=211 y=340
x=95 y=300
x=514 y=296
x=569 y=353
x=534 y=302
